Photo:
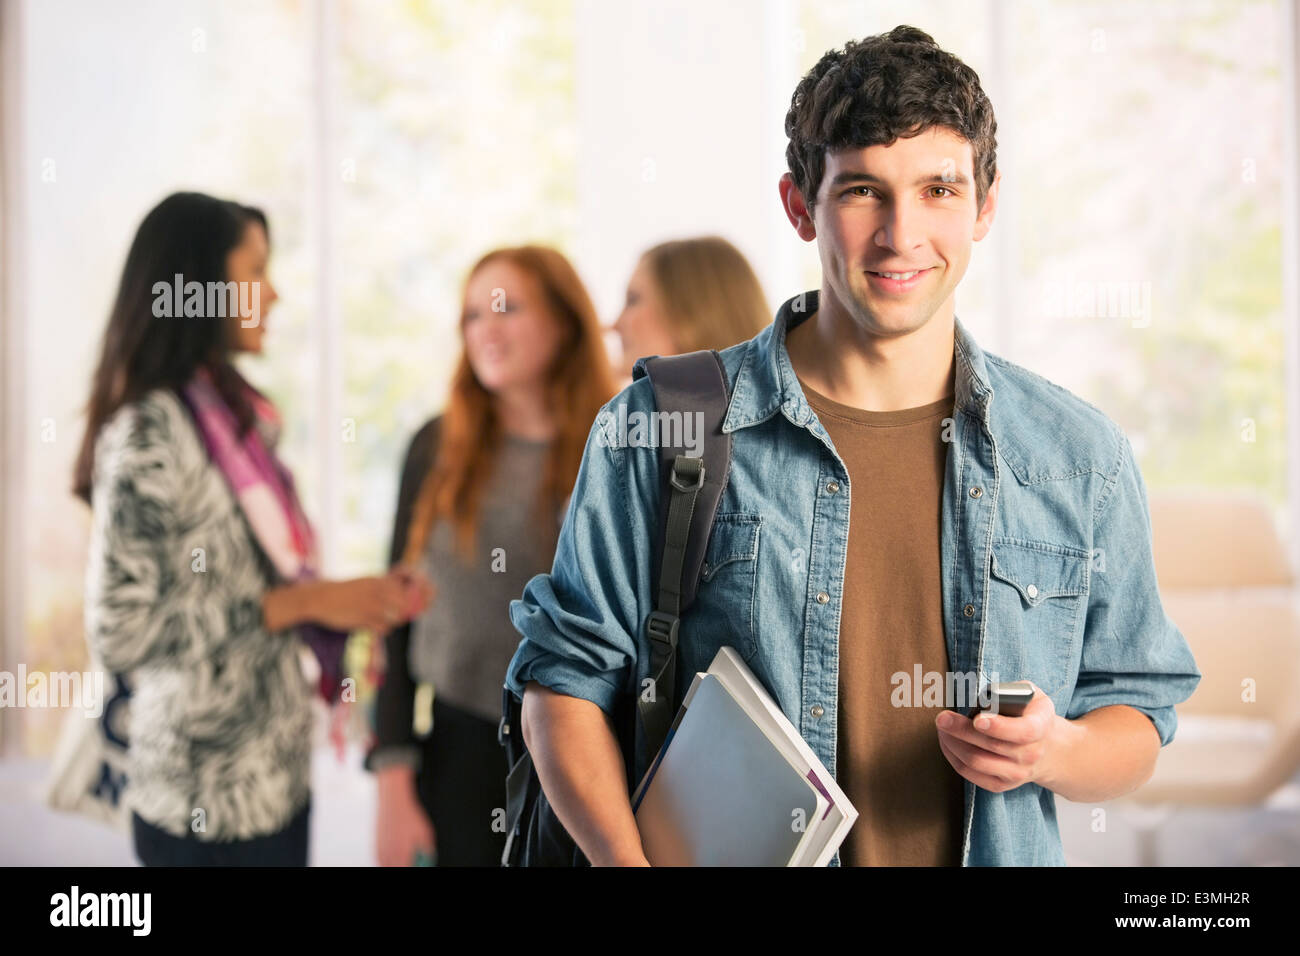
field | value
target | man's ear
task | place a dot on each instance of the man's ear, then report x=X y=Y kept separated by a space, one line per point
x=985 y=220
x=796 y=210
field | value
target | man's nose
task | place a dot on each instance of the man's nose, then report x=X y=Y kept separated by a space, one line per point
x=901 y=229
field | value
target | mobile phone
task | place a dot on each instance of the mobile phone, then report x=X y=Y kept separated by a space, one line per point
x=1008 y=699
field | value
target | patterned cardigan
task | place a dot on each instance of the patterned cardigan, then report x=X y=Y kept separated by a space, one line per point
x=221 y=714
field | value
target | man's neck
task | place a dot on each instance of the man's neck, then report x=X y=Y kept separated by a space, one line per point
x=837 y=358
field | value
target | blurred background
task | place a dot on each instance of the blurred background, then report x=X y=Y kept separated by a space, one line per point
x=1144 y=256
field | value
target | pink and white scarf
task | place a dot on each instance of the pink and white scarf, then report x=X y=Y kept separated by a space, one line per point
x=265 y=491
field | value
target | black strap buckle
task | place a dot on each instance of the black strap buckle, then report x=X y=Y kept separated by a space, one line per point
x=688 y=473
x=663 y=628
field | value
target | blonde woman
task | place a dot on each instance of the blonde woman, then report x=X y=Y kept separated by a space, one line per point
x=690 y=294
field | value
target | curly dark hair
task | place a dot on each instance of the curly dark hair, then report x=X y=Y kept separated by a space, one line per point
x=892 y=85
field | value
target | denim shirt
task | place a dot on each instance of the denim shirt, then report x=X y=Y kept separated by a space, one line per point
x=1047 y=570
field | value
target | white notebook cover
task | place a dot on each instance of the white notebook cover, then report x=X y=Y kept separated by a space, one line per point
x=723 y=794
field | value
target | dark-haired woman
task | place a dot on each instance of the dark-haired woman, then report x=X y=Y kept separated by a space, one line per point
x=482 y=494
x=202 y=582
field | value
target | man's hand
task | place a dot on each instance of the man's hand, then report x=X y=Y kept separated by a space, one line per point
x=998 y=752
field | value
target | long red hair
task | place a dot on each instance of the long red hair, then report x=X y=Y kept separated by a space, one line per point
x=579 y=383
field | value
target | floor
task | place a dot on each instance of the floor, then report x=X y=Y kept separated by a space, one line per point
x=31 y=834
x=343 y=805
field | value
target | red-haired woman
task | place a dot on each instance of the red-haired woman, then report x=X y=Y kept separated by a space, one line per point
x=482 y=495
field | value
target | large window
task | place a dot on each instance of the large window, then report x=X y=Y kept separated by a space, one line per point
x=455 y=133
x=116 y=108
x=1137 y=258
x=390 y=144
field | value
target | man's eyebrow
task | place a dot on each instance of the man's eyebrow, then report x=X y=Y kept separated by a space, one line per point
x=858 y=176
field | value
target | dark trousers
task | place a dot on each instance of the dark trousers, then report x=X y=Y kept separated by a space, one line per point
x=287 y=847
x=462 y=787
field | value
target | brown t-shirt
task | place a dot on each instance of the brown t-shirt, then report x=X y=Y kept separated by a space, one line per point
x=909 y=798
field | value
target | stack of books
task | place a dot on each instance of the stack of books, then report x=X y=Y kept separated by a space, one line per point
x=735 y=785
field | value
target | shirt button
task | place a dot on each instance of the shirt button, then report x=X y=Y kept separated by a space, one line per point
x=822 y=597
x=832 y=487
x=817 y=710
x=976 y=491
x=969 y=610
x=1031 y=591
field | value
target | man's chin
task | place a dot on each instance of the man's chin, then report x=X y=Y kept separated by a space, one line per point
x=893 y=317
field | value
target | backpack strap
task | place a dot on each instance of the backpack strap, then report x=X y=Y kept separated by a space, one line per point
x=691 y=386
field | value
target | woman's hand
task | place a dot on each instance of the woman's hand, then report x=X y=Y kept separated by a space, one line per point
x=418 y=588
x=362 y=604
x=402 y=828
x=374 y=604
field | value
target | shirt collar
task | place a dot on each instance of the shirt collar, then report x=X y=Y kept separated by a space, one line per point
x=766 y=381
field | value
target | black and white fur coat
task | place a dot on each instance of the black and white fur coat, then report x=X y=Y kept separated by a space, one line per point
x=221 y=714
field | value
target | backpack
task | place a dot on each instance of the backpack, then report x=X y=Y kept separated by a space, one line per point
x=691 y=489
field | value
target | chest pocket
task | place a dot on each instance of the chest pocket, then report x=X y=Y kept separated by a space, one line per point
x=723 y=613
x=1036 y=599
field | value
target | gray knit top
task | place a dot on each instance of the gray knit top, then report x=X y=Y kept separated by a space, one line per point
x=463 y=642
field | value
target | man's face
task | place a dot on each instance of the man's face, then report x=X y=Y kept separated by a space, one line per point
x=909 y=207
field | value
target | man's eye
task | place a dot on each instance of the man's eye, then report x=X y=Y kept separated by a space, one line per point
x=854 y=190
x=945 y=189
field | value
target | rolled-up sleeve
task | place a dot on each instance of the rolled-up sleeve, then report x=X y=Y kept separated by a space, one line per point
x=1132 y=652
x=580 y=623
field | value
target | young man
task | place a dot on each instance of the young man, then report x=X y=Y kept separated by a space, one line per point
x=999 y=526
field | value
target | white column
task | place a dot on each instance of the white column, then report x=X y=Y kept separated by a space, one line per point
x=1290 y=39
x=13 y=431
x=327 y=328
x=674 y=136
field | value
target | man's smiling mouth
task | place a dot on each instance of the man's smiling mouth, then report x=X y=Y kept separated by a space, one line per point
x=900 y=275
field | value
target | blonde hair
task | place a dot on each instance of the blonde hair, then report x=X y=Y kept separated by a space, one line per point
x=710 y=295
